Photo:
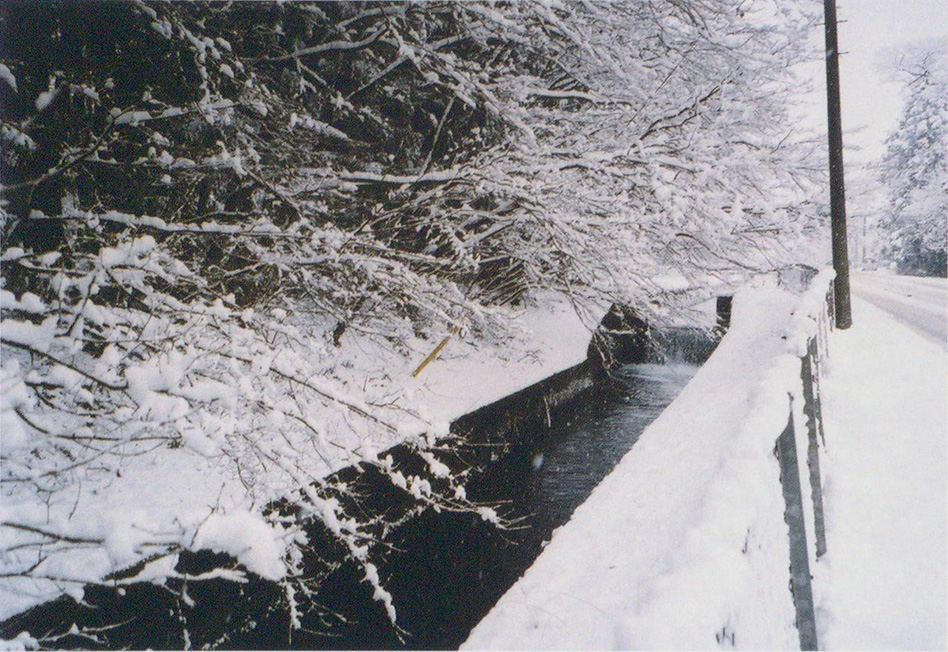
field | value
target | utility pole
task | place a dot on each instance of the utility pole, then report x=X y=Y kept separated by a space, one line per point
x=844 y=317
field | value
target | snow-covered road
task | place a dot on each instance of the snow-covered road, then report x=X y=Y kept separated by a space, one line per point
x=921 y=303
x=882 y=583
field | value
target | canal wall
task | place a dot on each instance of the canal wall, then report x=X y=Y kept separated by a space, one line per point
x=515 y=419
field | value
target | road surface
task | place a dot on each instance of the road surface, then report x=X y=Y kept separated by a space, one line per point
x=920 y=303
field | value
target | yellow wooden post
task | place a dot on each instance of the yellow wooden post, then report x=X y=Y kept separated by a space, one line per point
x=434 y=354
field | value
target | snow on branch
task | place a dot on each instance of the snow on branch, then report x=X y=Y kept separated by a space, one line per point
x=224 y=270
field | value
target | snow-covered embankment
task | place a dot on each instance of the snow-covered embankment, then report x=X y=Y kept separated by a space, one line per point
x=685 y=544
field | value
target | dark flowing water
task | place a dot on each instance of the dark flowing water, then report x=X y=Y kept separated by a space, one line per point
x=582 y=451
x=455 y=567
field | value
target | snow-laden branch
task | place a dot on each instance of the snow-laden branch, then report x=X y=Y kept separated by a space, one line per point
x=331 y=45
x=226 y=271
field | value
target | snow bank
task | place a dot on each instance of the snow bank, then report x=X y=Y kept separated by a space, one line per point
x=684 y=545
x=551 y=337
x=246 y=537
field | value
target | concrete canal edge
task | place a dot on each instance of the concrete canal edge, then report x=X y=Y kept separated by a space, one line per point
x=534 y=409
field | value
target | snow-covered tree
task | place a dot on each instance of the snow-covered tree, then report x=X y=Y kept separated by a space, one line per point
x=225 y=224
x=914 y=168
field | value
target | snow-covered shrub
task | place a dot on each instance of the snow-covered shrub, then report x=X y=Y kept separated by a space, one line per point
x=224 y=225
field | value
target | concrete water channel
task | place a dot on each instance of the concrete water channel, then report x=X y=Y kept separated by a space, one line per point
x=446 y=570
x=452 y=568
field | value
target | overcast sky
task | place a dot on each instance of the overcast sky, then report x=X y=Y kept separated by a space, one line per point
x=873 y=29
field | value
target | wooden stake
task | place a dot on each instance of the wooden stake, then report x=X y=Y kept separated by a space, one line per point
x=434 y=354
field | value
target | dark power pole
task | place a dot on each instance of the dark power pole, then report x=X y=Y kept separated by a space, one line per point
x=844 y=316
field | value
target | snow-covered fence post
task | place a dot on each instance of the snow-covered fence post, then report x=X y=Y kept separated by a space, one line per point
x=800 y=585
x=813 y=451
x=806 y=340
x=822 y=343
x=819 y=354
x=831 y=304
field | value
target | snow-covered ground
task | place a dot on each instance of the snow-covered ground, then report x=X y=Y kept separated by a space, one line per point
x=684 y=545
x=465 y=377
x=882 y=584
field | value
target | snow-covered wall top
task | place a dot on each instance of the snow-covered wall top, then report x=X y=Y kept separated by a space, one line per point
x=684 y=545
